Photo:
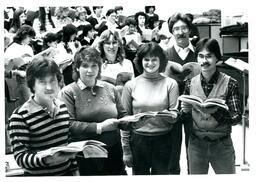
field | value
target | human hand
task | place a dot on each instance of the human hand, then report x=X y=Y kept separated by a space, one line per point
x=58 y=157
x=128 y=160
x=108 y=125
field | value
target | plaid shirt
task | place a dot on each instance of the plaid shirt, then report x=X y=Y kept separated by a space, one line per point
x=233 y=116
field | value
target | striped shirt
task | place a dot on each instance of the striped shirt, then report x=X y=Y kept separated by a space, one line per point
x=233 y=116
x=31 y=130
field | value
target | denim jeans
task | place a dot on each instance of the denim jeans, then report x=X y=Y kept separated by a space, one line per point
x=220 y=154
x=151 y=154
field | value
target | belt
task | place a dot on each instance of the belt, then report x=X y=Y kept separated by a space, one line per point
x=208 y=139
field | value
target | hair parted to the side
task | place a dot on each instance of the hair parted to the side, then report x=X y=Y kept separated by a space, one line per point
x=40 y=67
x=104 y=37
x=176 y=17
x=86 y=54
x=150 y=49
x=210 y=45
x=23 y=32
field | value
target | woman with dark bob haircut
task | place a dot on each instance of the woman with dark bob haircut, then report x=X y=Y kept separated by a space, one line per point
x=149 y=147
x=150 y=49
x=41 y=123
x=94 y=106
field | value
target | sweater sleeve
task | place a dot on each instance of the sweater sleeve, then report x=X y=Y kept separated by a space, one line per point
x=80 y=130
x=20 y=137
x=127 y=103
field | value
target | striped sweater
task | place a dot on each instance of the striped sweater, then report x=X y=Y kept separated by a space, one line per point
x=31 y=130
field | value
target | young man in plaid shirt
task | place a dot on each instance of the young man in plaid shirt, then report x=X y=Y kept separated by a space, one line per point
x=210 y=141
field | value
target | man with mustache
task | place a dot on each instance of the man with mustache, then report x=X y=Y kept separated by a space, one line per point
x=210 y=140
x=182 y=52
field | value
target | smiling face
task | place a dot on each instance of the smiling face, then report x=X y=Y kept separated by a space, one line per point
x=150 y=64
x=181 y=32
x=46 y=89
x=207 y=61
x=110 y=47
x=88 y=72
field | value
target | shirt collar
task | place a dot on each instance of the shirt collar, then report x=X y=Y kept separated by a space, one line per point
x=178 y=48
x=31 y=106
x=82 y=86
x=214 y=78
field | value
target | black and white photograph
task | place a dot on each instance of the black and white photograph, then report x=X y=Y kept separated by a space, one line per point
x=120 y=89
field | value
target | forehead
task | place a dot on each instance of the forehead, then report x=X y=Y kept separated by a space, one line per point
x=88 y=62
x=47 y=76
x=205 y=51
x=179 y=23
x=141 y=16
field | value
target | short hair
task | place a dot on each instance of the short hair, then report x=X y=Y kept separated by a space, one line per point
x=148 y=7
x=130 y=21
x=151 y=49
x=50 y=37
x=23 y=32
x=105 y=35
x=176 y=17
x=86 y=54
x=210 y=45
x=68 y=31
x=39 y=68
x=86 y=28
x=117 y=8
x=96 y=7
x=110 y=11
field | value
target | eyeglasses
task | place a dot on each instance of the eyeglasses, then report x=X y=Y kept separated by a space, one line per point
x=181 y=28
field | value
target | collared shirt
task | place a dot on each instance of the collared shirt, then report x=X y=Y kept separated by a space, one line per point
x=82 y=86
x=32 y=130
x=183 y=52
x=233 y=116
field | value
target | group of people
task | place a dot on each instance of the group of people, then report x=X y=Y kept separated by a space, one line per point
x=80 y=92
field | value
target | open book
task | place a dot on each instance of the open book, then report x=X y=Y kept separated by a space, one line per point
x=238 y=64
x=182 y=72
x=90 y=149
x=194 y=100
x=172 y=115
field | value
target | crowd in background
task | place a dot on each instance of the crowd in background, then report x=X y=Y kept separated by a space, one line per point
x=97 y=54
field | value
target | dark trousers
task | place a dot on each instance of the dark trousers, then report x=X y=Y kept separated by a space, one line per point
x=113 y=165
x=176 y=136
x=151 y=154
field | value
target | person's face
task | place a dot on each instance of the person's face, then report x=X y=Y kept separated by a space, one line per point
x=151 y=10
x=131 y=29
x=52 y=44
x=119 y=12
x=65 y=13
x=141 y=20
x=151 y=64
x=112 y=17
x=110 y=46
x=83 y=16
x=23 y=18
x=46 y=89
x=180 y=31
x=26 y=40
x=90 y=34
x=98 y=11
x=72 y=37
x=88 y=71
x=207 y=60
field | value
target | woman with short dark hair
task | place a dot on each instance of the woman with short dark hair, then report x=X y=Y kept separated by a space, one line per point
x=148 y=149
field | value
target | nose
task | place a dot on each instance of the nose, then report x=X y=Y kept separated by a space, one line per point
x=48 y=86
